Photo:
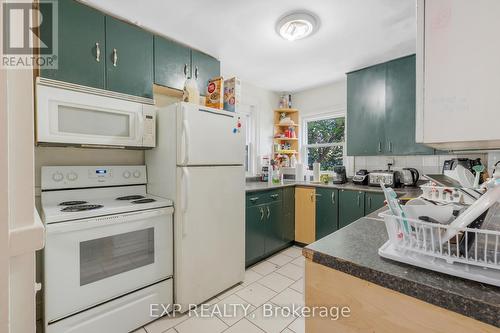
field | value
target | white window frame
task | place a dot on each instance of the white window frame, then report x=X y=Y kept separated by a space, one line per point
x=250 y=115
x=321 y=116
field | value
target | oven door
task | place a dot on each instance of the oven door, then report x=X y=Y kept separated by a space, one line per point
x=91 y=261
x=78 y=118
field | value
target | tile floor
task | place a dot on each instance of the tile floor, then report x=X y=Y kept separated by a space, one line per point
x=276 y=282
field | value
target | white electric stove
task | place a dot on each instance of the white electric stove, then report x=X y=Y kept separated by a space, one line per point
x=109 y=248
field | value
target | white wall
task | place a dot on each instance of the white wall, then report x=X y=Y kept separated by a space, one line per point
x=331 y=97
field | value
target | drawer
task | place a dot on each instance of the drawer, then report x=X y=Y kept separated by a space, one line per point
x=274 y=195
x=263 y=197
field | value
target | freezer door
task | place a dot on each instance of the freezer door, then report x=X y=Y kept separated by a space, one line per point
x=209 y=137
x=209 y=232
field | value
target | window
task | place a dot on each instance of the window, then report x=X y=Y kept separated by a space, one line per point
x=323 y=139
x=248 y=120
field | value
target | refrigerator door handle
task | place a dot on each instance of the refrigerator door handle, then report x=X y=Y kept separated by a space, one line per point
x=185 y=136
x=185 y=186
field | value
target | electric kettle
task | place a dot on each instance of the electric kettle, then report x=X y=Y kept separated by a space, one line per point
x=410 y=176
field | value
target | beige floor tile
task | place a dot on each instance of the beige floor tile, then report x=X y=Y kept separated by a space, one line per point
x=230 y=291
x=287 y=330
x=298 y=286
x=276 y=282
x=298 y=325
x=256 y=294
x=201 y=324
x=164 y=323
x=300 y=261
x=244 y=326
x=264 y=268
x=292 y=271
x=139 y=330
x=232 y=309
x=288 y=297
x=293 y=252
x=279 y=259
x=274 y=323
x=250 y=277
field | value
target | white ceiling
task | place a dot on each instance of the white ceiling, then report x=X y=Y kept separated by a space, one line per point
x=241 y=33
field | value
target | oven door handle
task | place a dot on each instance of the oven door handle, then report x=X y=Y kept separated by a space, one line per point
x=104 y=221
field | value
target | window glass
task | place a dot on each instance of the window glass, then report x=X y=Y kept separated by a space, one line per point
x=325 y=142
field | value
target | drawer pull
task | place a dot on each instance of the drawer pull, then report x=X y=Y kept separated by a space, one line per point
x=274 y=196
x=254 y=199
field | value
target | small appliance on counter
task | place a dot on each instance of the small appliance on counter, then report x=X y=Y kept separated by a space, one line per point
x=389 y=178
x=339 y=175
x=361 y=177
x=410 y=176
x=467 y=163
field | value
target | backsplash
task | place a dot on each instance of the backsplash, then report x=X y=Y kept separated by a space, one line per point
x=425 y=164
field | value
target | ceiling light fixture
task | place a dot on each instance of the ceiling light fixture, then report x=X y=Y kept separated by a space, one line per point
x=297 y=25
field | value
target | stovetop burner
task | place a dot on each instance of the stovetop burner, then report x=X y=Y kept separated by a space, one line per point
x=72 y=203
x=141 y=201
x=80 y=208
x=131 y=197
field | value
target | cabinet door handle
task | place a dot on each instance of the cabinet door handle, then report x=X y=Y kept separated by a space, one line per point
x=379 y=146
x=312 y=197
x=97 y=52
x=196 y=72
x=268 y=212
x=115 y=57
x=369 y=202
x=185 y=70
x=359 y=199
x=333 y=197
x=390 y=146
x=261 y=213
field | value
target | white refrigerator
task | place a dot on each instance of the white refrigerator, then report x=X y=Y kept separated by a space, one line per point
x=198 y=163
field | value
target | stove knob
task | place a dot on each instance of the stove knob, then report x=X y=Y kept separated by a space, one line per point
x=126 y=174
x=72 y=176
x=57 y=176
x=137 y=174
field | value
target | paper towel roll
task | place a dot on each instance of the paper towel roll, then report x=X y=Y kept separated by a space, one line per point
x=316 y=168
x=299 y=172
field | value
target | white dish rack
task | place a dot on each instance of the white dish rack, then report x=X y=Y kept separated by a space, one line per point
x=472 y=253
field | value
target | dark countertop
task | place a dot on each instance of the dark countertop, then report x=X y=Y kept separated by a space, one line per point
x=354 y=250
x=255 y=186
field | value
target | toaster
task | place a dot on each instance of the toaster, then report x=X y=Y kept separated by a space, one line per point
x=361 y=177
x=389 y=178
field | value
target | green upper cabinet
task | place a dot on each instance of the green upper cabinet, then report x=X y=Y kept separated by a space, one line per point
x=326 y=211
x=381 y=106
x=129 y=59
x=81 y=40
x=400 y=108
x=203 y=68
x=366 y=111
x=172 y=63
x=351 y=206
x=373 y=201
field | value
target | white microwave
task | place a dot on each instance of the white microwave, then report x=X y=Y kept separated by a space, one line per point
x=72 y=115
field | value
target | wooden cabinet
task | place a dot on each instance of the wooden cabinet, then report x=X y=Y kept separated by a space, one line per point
x=172 y=63
x=381 y=106
x=373 y=201
x=267 y=226
x=351 y=206
x=129 y=59
x=305 y=215
x=81 y=40
x=327 y=210
x=203 y=68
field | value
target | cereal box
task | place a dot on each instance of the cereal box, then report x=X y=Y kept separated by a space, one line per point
x=232 y=94
x=215 y=90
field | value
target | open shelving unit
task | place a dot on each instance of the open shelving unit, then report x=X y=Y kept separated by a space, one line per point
x=287 y=145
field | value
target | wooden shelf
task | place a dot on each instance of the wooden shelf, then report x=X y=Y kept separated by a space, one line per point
x=283 y=125
x=286 y=139
x=286 y=110
x=286 y=152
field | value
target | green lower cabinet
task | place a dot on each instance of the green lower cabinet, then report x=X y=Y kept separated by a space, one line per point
x=129 y=59
x=351 y=206
x=373 y=201
x=288 y=214
x=255 y=233
x=274 y=230
x=81 y=40
x=327 y=209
